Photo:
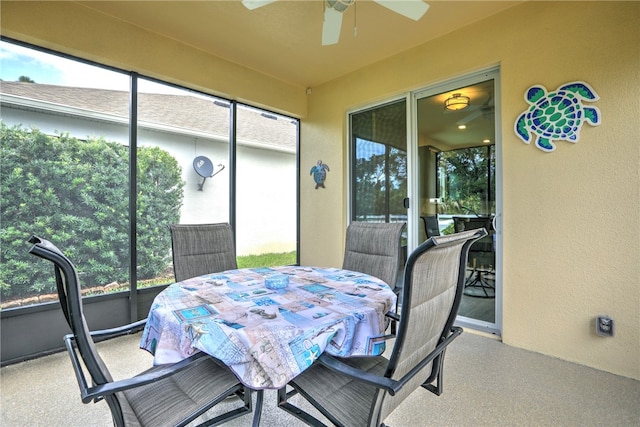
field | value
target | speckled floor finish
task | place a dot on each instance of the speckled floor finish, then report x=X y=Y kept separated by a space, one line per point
x=487 y=383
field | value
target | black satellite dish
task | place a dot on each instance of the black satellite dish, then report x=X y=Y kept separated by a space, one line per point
x=204 y=167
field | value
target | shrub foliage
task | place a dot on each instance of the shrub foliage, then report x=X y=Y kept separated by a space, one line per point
x=76 y=194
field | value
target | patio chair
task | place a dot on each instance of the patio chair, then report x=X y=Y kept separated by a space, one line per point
x=481 y=281
x=364 y=391
x=165 y=395
x=374 y=248
x=202 y=249
x=431 y=226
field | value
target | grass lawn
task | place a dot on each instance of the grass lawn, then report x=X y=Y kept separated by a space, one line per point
x=266 y=260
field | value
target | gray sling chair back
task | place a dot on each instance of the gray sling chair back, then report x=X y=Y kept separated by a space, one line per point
x=202 y=249
x=374 y=248
x=364 y=391
x=165 y=395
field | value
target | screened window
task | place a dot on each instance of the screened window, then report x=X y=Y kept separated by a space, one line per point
x=379 y=164
x=66 y=172
x=266 y=188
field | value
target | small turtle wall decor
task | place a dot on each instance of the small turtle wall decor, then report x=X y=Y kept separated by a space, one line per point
x=319 y=172
x=556 y=115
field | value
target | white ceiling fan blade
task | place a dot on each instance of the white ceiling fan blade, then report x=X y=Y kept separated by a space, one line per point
x=331 y=26
x=254 y=4
x=469 y=118
x=412 y=9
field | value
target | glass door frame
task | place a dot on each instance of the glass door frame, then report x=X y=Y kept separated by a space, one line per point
x=413 y=171
x=350 y=153
x=413 y=211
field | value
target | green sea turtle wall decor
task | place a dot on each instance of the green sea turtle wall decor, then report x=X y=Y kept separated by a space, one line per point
x=556 y=115
x=319 y=172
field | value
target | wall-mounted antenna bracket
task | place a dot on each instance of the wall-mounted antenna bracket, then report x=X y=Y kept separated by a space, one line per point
x=204 y=167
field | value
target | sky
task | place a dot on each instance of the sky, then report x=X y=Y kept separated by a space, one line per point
x=45 y=68
x=366 y=149
x=16 y=61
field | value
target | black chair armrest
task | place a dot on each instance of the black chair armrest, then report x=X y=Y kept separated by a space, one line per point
x=393 y=316
x=385 y=383
x=375 y=380
x=88 y=394
x=121 y=330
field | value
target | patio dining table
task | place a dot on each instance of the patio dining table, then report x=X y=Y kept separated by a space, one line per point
x=269 y=324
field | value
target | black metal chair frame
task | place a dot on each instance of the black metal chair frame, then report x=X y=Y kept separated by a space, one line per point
x=479 y=278
x=81 y=348
x=431 y=226
x=434 y=382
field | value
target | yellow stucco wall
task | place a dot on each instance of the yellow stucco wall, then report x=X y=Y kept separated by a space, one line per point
x=571 y=217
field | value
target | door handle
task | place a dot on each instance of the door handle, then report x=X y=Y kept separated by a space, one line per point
x=405 y=202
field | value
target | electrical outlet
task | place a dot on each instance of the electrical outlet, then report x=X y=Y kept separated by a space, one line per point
x=604 y=326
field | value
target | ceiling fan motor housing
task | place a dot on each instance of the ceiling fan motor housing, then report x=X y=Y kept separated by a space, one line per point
x=339 y=5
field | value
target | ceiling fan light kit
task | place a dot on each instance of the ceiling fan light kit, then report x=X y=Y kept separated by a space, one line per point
x=456 y=102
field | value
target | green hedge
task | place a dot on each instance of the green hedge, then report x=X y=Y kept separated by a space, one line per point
x=76 y=194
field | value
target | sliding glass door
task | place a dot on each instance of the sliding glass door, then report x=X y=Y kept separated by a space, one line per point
x=456 y=180
x=440 y=177
x=378 y=157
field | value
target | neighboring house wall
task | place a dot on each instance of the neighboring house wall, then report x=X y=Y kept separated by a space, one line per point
x=562 y=265
x=257 y=166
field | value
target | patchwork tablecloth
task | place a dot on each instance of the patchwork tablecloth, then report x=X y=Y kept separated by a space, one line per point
x=268 y=336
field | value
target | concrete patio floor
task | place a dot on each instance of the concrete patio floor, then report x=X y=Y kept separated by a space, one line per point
x=486 y=383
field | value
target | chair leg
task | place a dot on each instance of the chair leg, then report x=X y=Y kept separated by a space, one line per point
x=477 y=281
x=245 y=395
x=438 y=388
x=283 y=404
x=258 y=411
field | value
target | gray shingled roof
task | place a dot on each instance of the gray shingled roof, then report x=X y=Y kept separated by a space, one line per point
x=186 y=112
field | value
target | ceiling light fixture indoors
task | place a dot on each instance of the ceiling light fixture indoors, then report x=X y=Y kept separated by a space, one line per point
x=456 y=102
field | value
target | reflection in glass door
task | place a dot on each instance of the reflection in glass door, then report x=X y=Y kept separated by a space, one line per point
x=379 y=164
x=456 y=137
x=378 y=158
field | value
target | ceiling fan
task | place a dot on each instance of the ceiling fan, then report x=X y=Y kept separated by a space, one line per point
x=485 y=110
x=333 y=10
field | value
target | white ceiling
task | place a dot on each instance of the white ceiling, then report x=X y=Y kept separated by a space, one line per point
x=283 y=39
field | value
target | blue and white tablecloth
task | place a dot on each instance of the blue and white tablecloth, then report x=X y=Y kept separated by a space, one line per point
x=268 y=336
